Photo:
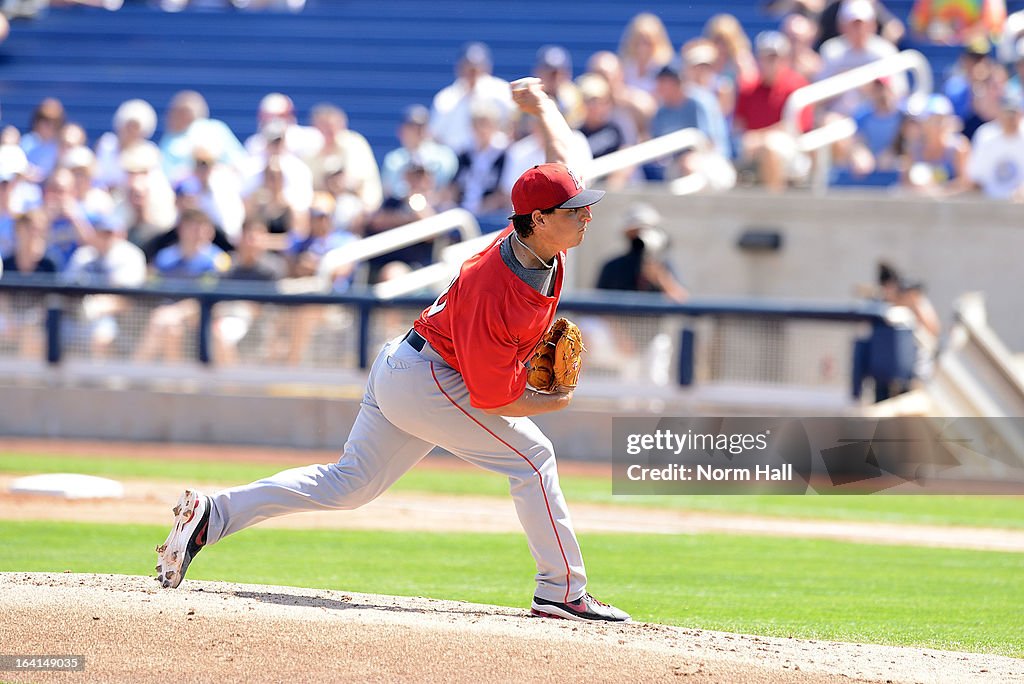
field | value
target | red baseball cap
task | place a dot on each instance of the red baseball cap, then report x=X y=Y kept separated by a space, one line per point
x=550 y=186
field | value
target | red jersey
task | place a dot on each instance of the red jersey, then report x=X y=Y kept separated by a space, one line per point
x=759 y=105
x=487 y=323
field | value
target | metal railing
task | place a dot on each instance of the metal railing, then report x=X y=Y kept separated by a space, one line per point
x=458 y=220
x=636 y=338
x=820 y=140
x=453 y=255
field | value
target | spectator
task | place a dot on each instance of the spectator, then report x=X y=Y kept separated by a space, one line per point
x=110 y=261
x=194 y=255
x=420 y=200
x=304 y=252
x=304 y=255
x=699 y=59
x=450 y=113
x=803 y=57
x=901 y=291
x=1016 y=81
x=888 y=26
x=643 y=268
x=956 y=22
x=856 y=46
x=134 y=125
x=193 y=258
x=17 y=194
x=879 y=126
x=996 y=165
x=645 y=49
x=31 y=235
x=278 y=110
x=477 y=183
x=804 y=8
x=69 y=225
x=269 y=206
x=972 y=69
x=340 y=143
x=23 y=323
x=604 y=134
x=735 y=59
x=233 y=320
x=296 y=176
x=688 y=107
x=1008 y=45
x=553 y=66
x=764 y=140
x=214 y=189
x=144 y=202
x=188 y=124
x=40 y=143
x=416 y=144
x=95 y=201
x=633 y=107
x=350 y=213
x=936 y=163
x=70 y=136
x=986 y=96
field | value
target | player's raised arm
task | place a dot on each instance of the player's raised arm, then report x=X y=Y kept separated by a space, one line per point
x=531 y=99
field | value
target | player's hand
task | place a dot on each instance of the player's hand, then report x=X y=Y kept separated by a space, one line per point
x=528 y=95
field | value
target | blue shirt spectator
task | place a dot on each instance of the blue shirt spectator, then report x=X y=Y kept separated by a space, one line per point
x=40 y=144
x=682 y=106
x=173 y=262
x=194 y=255
x=416 y=147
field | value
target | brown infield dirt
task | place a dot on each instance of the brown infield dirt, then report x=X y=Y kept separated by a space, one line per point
x=130 y=630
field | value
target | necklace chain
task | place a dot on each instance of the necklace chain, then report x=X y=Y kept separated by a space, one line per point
x=527 y=247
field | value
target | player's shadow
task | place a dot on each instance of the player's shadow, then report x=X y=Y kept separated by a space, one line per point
x=306 y=601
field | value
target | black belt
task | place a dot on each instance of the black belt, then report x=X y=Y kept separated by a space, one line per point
x=414 y=339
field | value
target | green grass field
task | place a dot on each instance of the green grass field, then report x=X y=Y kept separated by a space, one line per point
x=940 y=598
x=978 y=511
x=947 y=599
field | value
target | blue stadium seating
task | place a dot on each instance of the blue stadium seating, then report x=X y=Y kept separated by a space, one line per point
x=371 y=58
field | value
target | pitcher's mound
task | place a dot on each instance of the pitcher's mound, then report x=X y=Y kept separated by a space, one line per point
x=130 y=630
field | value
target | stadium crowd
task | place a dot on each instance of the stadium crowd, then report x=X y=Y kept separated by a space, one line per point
x=200 y=204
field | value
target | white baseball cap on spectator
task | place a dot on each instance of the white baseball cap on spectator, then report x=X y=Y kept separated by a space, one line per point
x=592 y=86
x=644 y=221
x=139 y=111
x=700 y=54
x=771 y=42
x=857 y=10
x=13 y=162
x=80 y=157
x=276 y=106
x=140 y=159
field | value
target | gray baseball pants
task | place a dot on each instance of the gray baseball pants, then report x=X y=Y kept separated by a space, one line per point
x=414 y=401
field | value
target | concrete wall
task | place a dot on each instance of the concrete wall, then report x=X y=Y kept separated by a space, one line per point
x=830 y=245
x=290 y=422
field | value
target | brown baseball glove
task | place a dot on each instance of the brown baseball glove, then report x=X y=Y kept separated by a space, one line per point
x=556 y=362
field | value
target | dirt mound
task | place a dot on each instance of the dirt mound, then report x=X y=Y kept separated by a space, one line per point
x=129 y=630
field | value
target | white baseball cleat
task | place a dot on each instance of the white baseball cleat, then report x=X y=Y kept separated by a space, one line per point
x=187 y=538
x=585 y=609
